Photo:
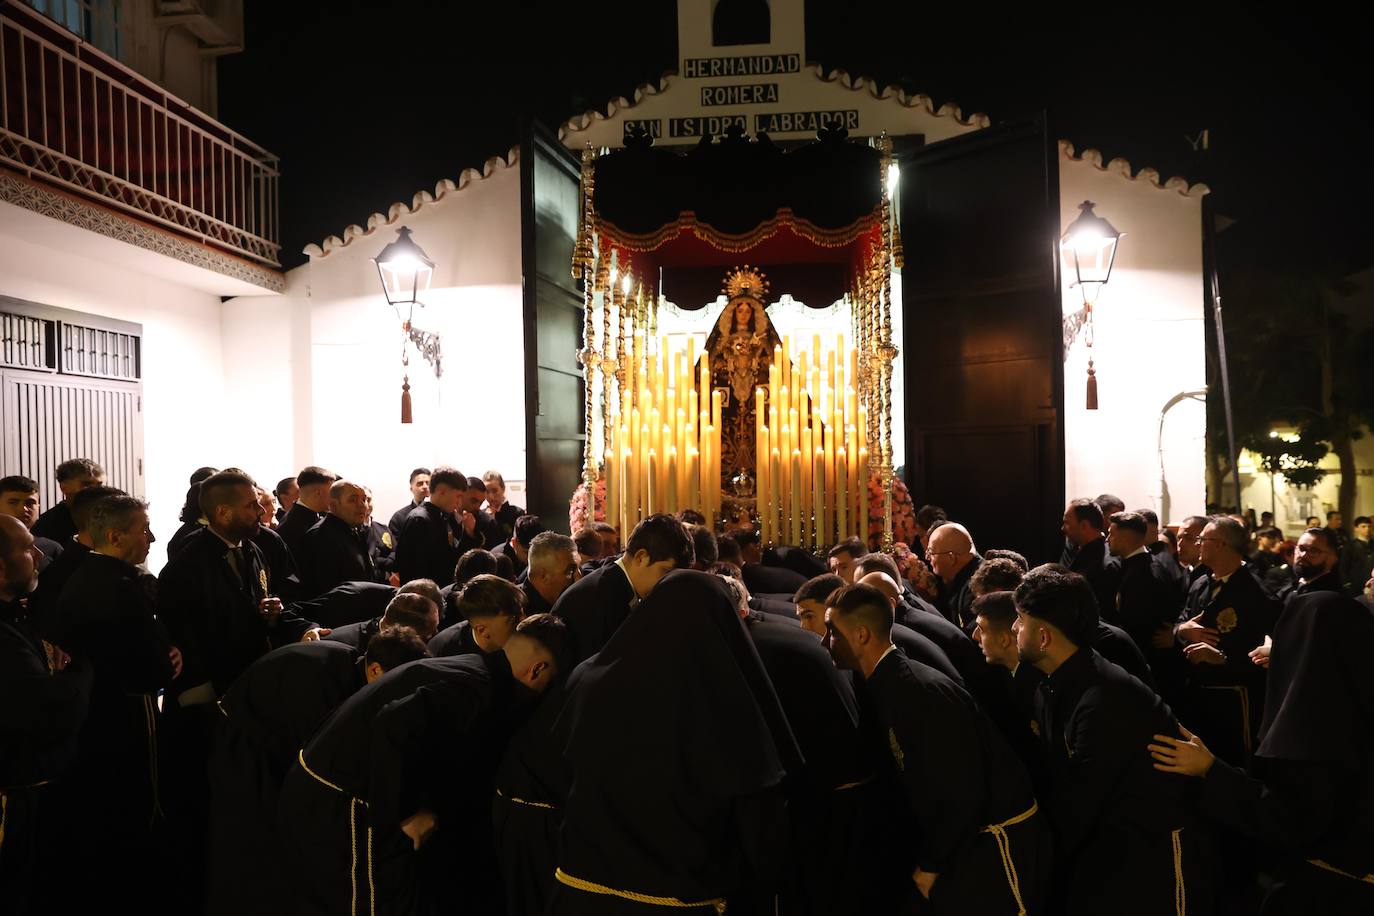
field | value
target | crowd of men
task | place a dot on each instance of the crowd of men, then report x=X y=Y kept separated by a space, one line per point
x=460 y=711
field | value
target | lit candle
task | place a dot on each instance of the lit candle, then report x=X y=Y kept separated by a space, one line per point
x=670 y=490
x=842 y=491
x=775 y=498
x=681 y=444
x=691 y=479
x=715 y=408
x=796 y=500
x=643 y=472
x=627 y=510
x=608 y=471
x=666 y=485
x=818 y=496
x=828 y=510
x=651 y=502
x=807 y=503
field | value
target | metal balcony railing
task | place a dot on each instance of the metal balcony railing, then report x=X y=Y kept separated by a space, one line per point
x=78 y=119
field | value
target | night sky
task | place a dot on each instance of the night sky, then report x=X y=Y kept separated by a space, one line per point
x=375 y=102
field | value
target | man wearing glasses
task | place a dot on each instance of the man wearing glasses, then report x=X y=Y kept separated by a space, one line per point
x=1315 y=562
x=954 y=559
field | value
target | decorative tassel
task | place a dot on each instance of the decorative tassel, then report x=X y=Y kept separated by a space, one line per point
x=1092 y=386
x=405 y=400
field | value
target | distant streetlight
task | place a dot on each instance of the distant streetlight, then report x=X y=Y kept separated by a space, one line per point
x=406 y=272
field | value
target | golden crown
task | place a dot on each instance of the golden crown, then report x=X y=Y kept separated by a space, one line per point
x=748 y=282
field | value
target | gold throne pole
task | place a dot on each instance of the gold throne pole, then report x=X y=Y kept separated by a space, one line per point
x=593 y=273
x=886 y=351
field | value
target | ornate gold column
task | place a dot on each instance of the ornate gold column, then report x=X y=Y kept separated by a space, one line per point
x=592 y=270
x=886 y=351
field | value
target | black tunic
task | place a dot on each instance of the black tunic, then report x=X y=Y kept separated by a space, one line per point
x=50 y=550
x=41 y=713
x=106 y=615
x=298 y=521
x=1124 y=838
x=801 y=561
x=429 y=545
x=686 y=805
x=56 y=524
x=955 y=600
x=1101 y=570
x=381 y=547
x=1311 y=798
x=398 y=519
x=454 y=640
x=1146 y=600
x=594 y=607
x=504 y=519
x=1169 y=566
x=506 y=550
x=43 y=601
x=350 y=602
x=957 y=777
x=426 y=735
x=1116 y=646
x=268 y=715
x=178 y=538
x=281 y=566
x=356 y=635
x=772 y=580
x=331 y=553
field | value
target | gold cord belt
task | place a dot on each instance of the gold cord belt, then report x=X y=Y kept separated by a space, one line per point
x=354 y=803
x=999 y=833
x=853 y=785
x=528 y=804
x=593 y=888
x=1180 y=891
x=1327 y=866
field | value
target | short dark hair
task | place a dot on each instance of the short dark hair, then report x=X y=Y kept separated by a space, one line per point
x=604 y=528
x=995 y=575
x=550 y=632
x=527 y=528
x=1327 y=537
x=727 y=550
x=729 y=570
x=999 y=553
x=871 y=606
x=1110 y=504
x=392 y=647
x=1131 y=521
x=1085 y=510
x=76 y=468
x=416 y=473
x=998 y=607
x=850 y=545
x=477 y=483
x=704 y=544
x=427 y=587
x=663 y=538
x=1062 y=598
x=1272 y=533
x=17 y=483
x=1311 y=519
x=505 y=567
x=283 y=485
x=878 y=562
x=190 y=509
x=1332 y=513
x=474 y=562
x=409 y=609
x=81 y=503
x=928 y=516
x=818 y=588
x=217 y=490
x=314 y=475
x=446 y=476
x=1151 y=517
x=488 y=595
x=747 y=537
x=1202 y=519
x=1361 y=520
x=588 y=543
x=113 y=513
x=691 y=517
x=201 y=473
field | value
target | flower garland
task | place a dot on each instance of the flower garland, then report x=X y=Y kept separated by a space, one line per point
x=577 y=507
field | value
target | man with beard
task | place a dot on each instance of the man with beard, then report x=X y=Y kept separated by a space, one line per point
x=1124 y=839
x=686 y=808
x=1146 y=599
x=106 y=615
x=268 y=715
x=431 y=541
x=42 y=707
x=387 y=805
x=1316 y=562
x=595 y=606
x=981 y=844
x=1084 y=526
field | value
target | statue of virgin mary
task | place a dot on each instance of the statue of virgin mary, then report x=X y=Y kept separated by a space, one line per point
x=740 y=350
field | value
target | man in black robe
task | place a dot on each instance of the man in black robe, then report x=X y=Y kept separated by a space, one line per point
x=687 y=807
x=1316 y=563
x=19 y=499
x=981 y=844
x=503 y=513
x=286 y=493
x=349 y=602
x=1228 y=617
x=419 y=492
x=335 y=550
x=412 y=607
x=1146 y=599
x=915 y=645
x=1164 y=558
x=1085 y=526
x=1125 y=841
x=73 y=476
x=267 y=716
x=42 y=707
x=387 y=805
x=954 y=559
x=553 y=567
x=43 y=601
x=517 y=547
x=313 y=499
x=106 y=615
x=491 y=610
x=431 y=540
x=219 y=605
x=1309 y=795
x=597 y=604
x=761 y=578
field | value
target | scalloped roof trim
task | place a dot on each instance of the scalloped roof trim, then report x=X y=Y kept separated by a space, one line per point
x=854 y=84
x=1123 y=168
x=400 y=210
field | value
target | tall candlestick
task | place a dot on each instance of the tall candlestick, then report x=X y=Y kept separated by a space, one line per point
x=670 y=503
x=651 y=505
x=818 y=497
x=828 y=514
x=807 y=504
x=796 y=497
x=842 y=491
x=863 y=493
x=775 y=492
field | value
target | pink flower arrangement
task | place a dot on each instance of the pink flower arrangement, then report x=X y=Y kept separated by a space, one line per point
x=577 y=507
x=903 y=512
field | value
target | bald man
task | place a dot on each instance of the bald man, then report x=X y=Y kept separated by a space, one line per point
x=916 y=646
x=335 y=549
x=953 y=558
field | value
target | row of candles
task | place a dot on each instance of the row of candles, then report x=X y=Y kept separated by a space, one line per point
x=810 y=442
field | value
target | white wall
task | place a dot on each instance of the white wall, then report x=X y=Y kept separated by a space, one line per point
x=338 y=375
x=185 y=422
x=1149 y=345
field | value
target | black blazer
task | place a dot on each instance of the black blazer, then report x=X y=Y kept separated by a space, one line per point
x=332 y=552
x=594 y=607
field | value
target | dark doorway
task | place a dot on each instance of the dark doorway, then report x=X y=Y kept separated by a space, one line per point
x=982 y=328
